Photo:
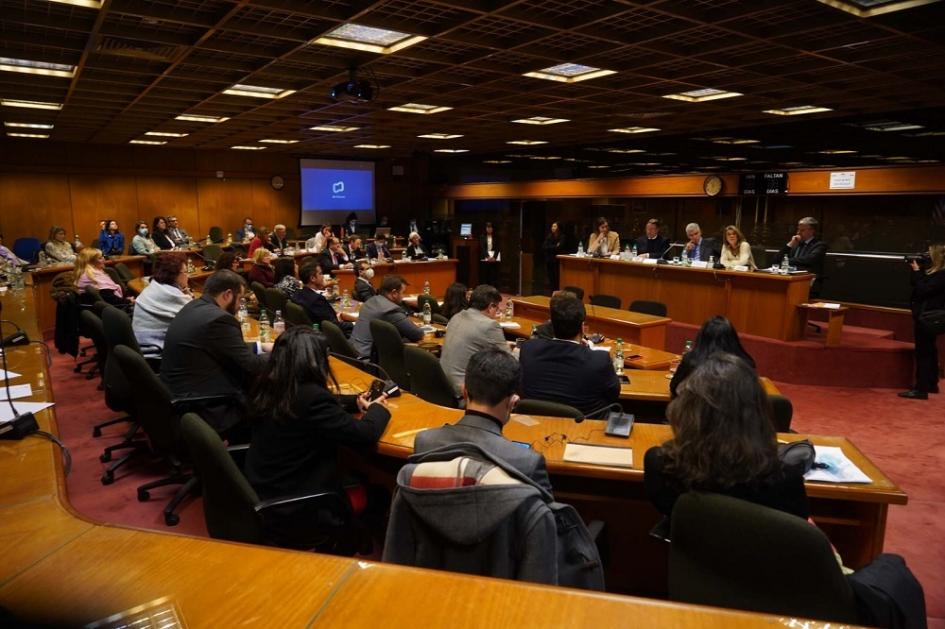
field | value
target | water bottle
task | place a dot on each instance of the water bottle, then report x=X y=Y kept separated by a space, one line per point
x=243 y=313
x=785 y=265
x=580 y=249
x=427 y=313
x=190 y=266
x=42 y=258
x=618 y=357
x=509 y=311
x=687 y=348
x=426 y=287
x=19 y=283
x=633 y=252
x=229 y=239
x=345 y=300
x=263 y=328
x=78 y=243
x=711 y=262
x=316 y=328
x=245 y=328
x=534 y=330
x=278 y=324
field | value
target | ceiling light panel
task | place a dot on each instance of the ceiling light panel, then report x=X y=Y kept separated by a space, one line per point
x=149 y=142
x=450 y=150
x=88 y=4
x=243 y=147
x=541 y=120
x=798 y=110
x=527 y=142
x=440 y=136
x=278 y=141
x=372 y=146
x=29 y=104
x=258 y=91
x=196 y=118
x=569 y=73
x=702 y=95
x=419 y=108
x=27 y=125
x=633 y=130
x=26 y=66
x=333 y=128
x=891 y=126
x=368 y=38
x=167 y=134
x=35 y=136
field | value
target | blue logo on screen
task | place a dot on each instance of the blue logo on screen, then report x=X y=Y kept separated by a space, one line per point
x=338 y=187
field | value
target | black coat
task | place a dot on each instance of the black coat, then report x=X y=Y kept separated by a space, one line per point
x=363 y=289
x=372 y=251
x=928 y=291
x=655 y=247
x=318 y=308
x=708 y=248
x=205 y=355
x=561 y=371
x=806 y=256
x=162 y=240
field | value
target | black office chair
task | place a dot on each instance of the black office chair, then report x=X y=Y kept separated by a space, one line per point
x=606 y=301
x=390 y=352
x=427 y=378
x=90 y=326
x=577 y=290
x=275 y=300
x=430 y=299
x=782 y=410
x=655 y=308
x=337 y=341
x=260 y=292
x=118 y=324
x=731 y=553
x=528 y=406
x=438 y=318
x=123 y=272
x=760 y=256
x=211 y=253
x=216 y=234
x=296 y=315
x=234 y=512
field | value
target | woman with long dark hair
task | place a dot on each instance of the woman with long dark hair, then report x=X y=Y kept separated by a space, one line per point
x=723 y=441
x=455 y=300
x=552 y=248
x=299 y=422
x=160 y=235
x=717 y=334
x=928 y=293
x=286 y=276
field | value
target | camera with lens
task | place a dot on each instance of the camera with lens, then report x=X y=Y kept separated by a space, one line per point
x=922 y=258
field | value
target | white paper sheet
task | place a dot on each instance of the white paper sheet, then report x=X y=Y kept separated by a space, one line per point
x=6 y=413
x=509 y=325
x=16 y=391
x=8 y=375
x=598 y=455
x=839 y=468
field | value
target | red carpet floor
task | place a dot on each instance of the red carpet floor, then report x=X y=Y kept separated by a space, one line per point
x=905 y=438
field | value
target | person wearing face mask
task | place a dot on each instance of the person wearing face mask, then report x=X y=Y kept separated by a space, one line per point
x=247 y=232
x=378 y=249
x=363 y=290
x=141 y=244
x=205 y=355
x=490 y=388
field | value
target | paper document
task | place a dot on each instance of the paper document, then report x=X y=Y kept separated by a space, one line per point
x=509 y=325
x=16 y=391
x=6 y=413
x=839 y=468
x=8 y=375
x=598 y=455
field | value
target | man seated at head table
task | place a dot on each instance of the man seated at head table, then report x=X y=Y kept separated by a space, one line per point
x=363 y=290
x=472 y=330
x=334 y=256
x=564 y=369
x=205 y=355
x=651 y=244
x=603 y=242
x=354 y=249
x=278 y=241
x=807 y=252
x=387 y=306
x=311 y=299
x=378 y=249
x=699 y=248
x=490 y=389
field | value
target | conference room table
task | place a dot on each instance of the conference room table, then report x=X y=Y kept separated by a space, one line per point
x=61 y=568
x=760 y=303
x=41 y=279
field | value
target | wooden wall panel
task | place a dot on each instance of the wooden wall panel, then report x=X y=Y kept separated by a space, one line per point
x=31 y=204
x=99 y=198
x=223 y=203
x=168 y=197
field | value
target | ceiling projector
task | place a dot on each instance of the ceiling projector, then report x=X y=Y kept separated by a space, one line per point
x=352 y=91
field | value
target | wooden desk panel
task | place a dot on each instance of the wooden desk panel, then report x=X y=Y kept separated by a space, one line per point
x=756 y=303
x=440 y=274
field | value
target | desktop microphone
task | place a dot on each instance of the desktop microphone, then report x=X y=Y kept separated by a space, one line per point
x=22 y=424
x=378 y=371
x=208 y=265
x=670 y=248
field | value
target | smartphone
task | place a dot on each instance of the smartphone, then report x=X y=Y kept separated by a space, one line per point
x=376 y=390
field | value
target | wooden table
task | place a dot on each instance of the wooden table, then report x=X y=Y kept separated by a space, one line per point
x=60 y=568
x=756 y=303
x=632 y=327
x=42 y=279
x=653 y=386
x=195 y=281
x=834 y=321
x=853 y=516
x=440 y=274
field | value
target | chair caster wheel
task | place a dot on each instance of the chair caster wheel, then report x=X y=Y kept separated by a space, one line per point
x=108 y=479
x=171 y=519
x=144 y=495
x=105 y=457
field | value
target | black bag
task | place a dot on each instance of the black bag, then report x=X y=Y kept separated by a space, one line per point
x=932 y=321
x=797 y=457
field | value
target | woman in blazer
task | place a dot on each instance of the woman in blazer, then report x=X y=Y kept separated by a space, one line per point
x=736 y=251
x=928 y=293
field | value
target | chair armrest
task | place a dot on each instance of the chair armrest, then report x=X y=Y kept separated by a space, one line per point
x=330 y=499
x=183 y=404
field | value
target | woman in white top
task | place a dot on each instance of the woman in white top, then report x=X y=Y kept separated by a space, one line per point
x=161 y=299
x=319 y=242
x=736 y=251
x=57 y=248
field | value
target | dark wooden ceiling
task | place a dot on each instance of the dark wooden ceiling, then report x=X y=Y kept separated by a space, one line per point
x=141 y=63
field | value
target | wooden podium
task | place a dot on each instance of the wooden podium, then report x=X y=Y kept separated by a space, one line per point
x=466 y=252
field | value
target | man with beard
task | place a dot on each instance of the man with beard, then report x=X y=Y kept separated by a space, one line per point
x=205 y=355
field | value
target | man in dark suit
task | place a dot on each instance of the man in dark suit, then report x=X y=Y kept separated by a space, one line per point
x=491 y=382
x=378 y=249
x=699 y=248
x=652 y=244
x=807 y=252
x=207 y=356
x=363 y=290
x=333 y=257
x=278 y=242
x=564 y=369
x=314 y=303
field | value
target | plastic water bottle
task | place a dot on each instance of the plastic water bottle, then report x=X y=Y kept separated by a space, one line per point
x=687 y=348
x=18 y=281
x=534 y=330
x=78 y=243
x=580 y=251
x=509 y=310
x=316 y=327
x=229 y=238
x=785 y=265
x=618 y=357
x=426 y=287
x=711 y=262
x=190 y=266
x=263 y=328
x=243 y=313
x=42 y=259
x=278 y=324
x=633 y=252
x=345 y=300
x=427 y=313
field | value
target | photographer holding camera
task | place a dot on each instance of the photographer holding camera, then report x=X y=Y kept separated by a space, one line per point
x=928 y=308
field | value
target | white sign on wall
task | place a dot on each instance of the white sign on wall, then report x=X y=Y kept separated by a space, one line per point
x=843 y=180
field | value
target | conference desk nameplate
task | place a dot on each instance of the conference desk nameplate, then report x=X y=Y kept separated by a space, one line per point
x=763 y=304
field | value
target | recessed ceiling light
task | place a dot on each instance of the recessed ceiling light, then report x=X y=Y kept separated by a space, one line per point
x=372 y=146
x=27 y=125
x=702 y=95
x=29 y=104
x=595 y=166
x=527 y=142
x=633 y=130
x=196 y=118
x=257 y=91
x=625 y=151
x=518 y=155
x=575 y=160
x=869 y=8
x=150 y=142
x=541 y=120
x=892 y=126
x=569 y=73
x=450 y=150
x=333 y=128
x=837 y=152
x=368 y=38
x=277 y=141
x=243 y=147
x=927 y=161
x=27 y=66
x=546 y=158
x=797 y=110
x=897 y=158
x=723 y=158
x=440 y=136
x=725 y=140
x=35 y=136
x=89 y=4
x=167 y=134
x=419 y=108
x=496 y=161
x=648 y=164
